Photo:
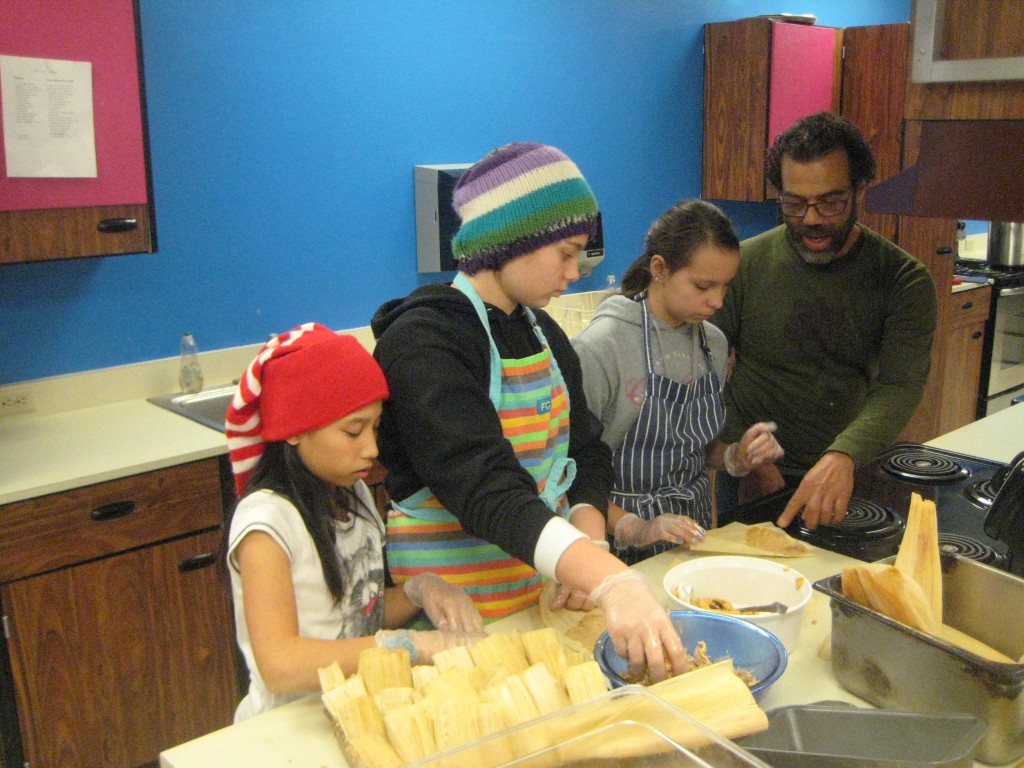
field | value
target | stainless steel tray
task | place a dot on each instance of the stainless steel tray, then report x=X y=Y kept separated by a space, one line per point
x=896 y=667
x=838 y=735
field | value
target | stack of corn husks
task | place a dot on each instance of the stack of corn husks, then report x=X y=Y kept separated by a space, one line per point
x=390 y=713
x=910 y=590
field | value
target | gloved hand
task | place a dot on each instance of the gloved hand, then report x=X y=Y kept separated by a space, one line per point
x=756 y=448
x=639 y=627
x=447 y=606
x=633 y=531
x=423 y=645
x=570 y=598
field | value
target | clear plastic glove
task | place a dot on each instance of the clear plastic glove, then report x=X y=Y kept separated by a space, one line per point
x=571 y=599
x=639 y=626
x=756 y=448
x=423 y=645
x=633 y=531
x=447 y=606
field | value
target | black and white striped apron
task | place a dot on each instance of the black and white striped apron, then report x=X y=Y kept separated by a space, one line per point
x=661 y=465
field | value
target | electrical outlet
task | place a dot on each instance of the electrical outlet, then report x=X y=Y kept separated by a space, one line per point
x=14 y=401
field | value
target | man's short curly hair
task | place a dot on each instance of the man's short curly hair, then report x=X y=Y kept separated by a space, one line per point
x=815 y=136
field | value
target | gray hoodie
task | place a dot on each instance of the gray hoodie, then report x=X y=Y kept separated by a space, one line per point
x=611 y=349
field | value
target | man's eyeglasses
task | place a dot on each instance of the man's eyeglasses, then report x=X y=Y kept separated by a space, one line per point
x=827 y=206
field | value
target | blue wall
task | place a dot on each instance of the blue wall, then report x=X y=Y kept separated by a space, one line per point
x=284 y=134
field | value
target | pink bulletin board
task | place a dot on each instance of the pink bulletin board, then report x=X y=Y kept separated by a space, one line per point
x=102 y=32
x=802 y=61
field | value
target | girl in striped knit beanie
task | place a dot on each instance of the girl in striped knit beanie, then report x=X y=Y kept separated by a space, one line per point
x=305 y=541
x=497 y=474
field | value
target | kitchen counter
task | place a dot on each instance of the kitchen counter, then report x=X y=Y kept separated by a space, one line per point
x=998 y=437
x=61 y=451
x=300 y=733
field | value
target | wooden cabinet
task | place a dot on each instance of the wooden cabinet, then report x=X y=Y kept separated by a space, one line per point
x=972 y=30
x=60 y=218
x=964 y=318
x=932 y=242
x=874 y=86
x=120 y=634
x=760 y=76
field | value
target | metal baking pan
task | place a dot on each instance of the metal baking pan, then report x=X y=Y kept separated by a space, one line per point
x=837 y=735
x=894 y=666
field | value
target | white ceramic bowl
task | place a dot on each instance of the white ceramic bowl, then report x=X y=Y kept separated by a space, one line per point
x=745 y=581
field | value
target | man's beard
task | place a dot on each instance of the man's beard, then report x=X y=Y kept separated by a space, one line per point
x=839 y=235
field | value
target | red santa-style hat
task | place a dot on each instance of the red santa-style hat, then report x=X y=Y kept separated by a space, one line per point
x=300 y=381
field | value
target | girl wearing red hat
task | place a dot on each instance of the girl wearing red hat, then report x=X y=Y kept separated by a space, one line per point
x=305 y=542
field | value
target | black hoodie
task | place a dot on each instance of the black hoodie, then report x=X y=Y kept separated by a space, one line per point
x=440 y=430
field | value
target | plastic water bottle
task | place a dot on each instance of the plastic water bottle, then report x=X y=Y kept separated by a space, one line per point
x=611 y=286
x=190 y=377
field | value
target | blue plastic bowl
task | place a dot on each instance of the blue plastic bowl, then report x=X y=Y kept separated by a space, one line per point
x=749 y=646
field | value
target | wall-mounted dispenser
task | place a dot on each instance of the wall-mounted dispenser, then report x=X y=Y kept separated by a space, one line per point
x=593 y=254
x=436 y=219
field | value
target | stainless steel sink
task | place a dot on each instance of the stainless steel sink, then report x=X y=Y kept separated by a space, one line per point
x=208 y=407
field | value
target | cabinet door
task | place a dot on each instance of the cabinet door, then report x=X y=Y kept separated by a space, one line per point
x=120 y=658
x=60 y=218
x=933 y=242
x=757 y=82
x=961 y=376
x=874 y=86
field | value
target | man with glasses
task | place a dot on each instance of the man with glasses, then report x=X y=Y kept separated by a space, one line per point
x=831 y=325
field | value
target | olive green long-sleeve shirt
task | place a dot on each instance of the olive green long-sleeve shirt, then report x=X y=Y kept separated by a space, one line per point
x=836 y=355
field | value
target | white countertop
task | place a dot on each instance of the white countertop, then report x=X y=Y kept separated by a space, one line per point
x=998 y=437
x=61 y=451
x=299 y=734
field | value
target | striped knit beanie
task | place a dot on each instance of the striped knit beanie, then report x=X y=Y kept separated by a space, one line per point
x=300 y=381
x=517 y=199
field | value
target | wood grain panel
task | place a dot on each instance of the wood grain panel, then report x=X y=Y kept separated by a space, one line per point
x=95 y=684
x=58 y=530
x=933 y=242
x=990 y=29
x=62 y=233
x=736 y=59
x=874 y=87
x=974 y=30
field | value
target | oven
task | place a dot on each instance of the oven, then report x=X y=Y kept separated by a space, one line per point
x=1002 y=365
x=962 y=487
x=1006 y=364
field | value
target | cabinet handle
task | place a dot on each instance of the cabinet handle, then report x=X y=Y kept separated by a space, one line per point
x=113 y=510
x=944 y=250
x=117 y=225
x=197 y=562
x=976 y=335
x=967 y=305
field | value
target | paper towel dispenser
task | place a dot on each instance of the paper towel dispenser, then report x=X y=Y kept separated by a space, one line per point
x=436 y=219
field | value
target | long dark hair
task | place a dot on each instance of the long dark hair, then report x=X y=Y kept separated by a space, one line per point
x=281 y=470
x=676 y=236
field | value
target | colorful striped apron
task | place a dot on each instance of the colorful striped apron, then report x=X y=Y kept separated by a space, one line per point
x=530 y=397
x=661 y=465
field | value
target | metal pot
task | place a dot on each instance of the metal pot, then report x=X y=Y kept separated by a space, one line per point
x=1006 y=244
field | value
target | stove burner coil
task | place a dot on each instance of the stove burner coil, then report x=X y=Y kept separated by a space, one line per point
x=864 y=520
x=922 y=465
x=972 y=549
x=982 y=493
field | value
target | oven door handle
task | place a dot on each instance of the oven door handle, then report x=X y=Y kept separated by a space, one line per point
x=1016 y=291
